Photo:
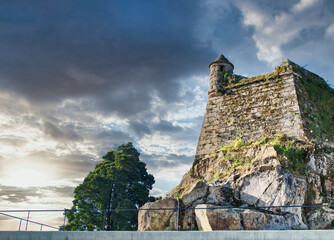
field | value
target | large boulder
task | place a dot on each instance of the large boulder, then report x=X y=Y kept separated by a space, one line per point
x=274 y=188
x=221 y=195
x=320 y=218
x=209 y=218
x=197 y=191
x=158 y=220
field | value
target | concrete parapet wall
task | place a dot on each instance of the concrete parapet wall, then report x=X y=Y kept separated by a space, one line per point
x=185 y=235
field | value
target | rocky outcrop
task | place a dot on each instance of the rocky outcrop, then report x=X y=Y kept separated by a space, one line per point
x=158 y=220
x=243 y=197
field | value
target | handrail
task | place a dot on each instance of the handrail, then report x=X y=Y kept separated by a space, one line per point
x=26 y=210
x=4 y=212
x=27 y=220
x=192 y=208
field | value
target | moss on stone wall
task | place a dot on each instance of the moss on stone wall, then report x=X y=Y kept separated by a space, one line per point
x=317 y=105
x=266 y=105
x=238 y=156
x=295 y=155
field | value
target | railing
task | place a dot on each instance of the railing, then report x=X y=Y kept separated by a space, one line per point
x=27 y=221
x=178 y=209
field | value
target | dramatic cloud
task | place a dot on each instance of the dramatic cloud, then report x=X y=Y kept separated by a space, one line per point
x=79 y=78
x=55 y=148
x=119 y=54
x=276 y=25
x=168 y=161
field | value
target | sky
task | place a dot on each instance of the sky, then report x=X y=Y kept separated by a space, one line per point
x=79 y=78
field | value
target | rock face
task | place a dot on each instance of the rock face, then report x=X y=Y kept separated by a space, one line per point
x=230 y=203
x=158 y=220
x=265 y=142
x=198 y=190
x=209 y=219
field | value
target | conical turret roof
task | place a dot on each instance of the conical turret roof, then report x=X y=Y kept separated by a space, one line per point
x=222 y=59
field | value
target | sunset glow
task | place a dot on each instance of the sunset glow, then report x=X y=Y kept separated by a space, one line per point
x=27 y=177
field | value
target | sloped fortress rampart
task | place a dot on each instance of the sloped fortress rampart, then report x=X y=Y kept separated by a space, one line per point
x=262 y=105
x=266 y=104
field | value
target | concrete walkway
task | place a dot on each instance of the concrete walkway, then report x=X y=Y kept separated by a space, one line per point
x=181 y=235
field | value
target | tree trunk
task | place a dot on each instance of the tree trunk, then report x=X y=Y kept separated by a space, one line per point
x=109 y=207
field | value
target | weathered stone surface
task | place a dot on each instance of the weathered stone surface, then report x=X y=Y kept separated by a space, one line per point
x=266 y=106
x=320 y=218
x=197 y=191
x=241 y=219
x=217 y=219
x=159 y=219
x=272 y=188
x=220 y=195
x=267 y=152
x=188 y=220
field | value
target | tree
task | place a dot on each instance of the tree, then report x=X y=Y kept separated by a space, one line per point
x=119 y=182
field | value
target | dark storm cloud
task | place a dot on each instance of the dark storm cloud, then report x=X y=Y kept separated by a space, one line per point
x=109 y=140
x=175 y=132
x=166 y=128
x=62 y=133
x=142 y=128
x=155 y=161
x=118 y=51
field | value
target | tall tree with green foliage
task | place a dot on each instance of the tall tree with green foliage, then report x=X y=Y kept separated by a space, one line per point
x=119 y=182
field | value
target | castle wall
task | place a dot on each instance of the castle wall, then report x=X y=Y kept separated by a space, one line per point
x=316 y=100
x=252 y=109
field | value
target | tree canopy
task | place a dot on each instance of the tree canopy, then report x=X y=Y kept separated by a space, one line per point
x=119 y=182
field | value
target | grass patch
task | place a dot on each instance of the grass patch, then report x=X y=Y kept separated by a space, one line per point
x=296 y=155
x=236 y=154
x=311 y=194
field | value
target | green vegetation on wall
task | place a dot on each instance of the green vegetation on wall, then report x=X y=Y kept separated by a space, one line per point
x=237 y=153
x=294 y=154
x=317 y=100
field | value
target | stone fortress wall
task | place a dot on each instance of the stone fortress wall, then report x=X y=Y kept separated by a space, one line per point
x=250 y=108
